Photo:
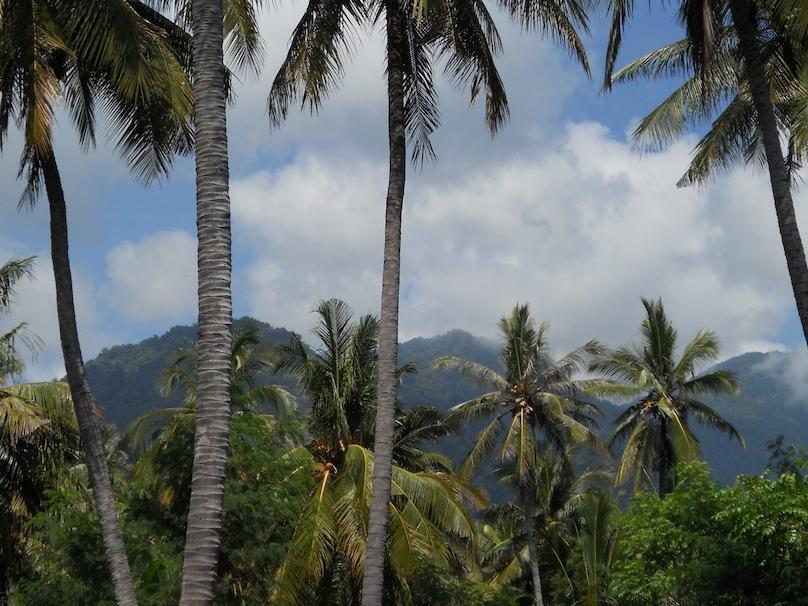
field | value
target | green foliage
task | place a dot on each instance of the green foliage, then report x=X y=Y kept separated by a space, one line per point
x=126 y=379
x=261 y=506
x=431 y=584
x=66 y=558
x=664 y=392
x=249 y=366
x=787 y=458
x=743 y=545
x=428 y=509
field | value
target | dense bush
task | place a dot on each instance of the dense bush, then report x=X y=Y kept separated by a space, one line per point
x=743 y=545
x=67 y=564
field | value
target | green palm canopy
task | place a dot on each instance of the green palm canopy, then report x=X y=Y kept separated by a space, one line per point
x=722 y=95
x=428 y=512
x=665 y=393
x=38 y=430
x=535 y=401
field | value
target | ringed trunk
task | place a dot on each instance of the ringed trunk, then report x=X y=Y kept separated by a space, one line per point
x=202 y=540
x=744 y=18
x=373 y=579
x=83 y=400
x=529 y=510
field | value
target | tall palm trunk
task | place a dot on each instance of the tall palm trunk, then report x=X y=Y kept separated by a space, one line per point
x=664 y=463
x=83 y=400
x=743 y=16
x=529 y=511
x=215 y=307
x=373 y=581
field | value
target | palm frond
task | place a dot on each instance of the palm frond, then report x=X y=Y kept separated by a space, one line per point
x=483 y=445
x=562 y=20
x=312 y=547
x=715 y=382
x=315 y=62
x=621 y=12
x=11 y=272
x=484 y=375
x=708 y=416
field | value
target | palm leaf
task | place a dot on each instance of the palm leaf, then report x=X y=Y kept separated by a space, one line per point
x=483 y=374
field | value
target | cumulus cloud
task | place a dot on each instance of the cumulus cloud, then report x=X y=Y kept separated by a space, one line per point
x=565 y=216
x=581 y=231
x=155 y=278
x=352 y=120
x=35 y=304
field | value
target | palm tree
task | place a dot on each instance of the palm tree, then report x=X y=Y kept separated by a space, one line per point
x=38 y=430
x=215 y=304
x=89 y=53
x=462 y=32
x=706 y=23
x=539 y=397
x=733 y=137
x=655 y=427
x=427 y=510
x=215 y=25
x=38 y=436
x=558 y=497
x=248 y=393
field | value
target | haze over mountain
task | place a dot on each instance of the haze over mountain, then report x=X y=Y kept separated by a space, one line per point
x=125 y=380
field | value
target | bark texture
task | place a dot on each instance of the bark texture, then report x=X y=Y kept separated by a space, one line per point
x=202 y=539
x=373 y=581
x=744 y=18
x=529 y=510
x=83 y=400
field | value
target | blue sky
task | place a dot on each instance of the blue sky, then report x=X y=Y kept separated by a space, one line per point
x=557 y=210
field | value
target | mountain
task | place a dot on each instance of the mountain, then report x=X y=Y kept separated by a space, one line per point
x=124 y=379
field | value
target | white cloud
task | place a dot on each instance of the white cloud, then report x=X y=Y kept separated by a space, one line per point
x=581 y=231
x=353 y=120
x=789 y=367
x=155 y=278
x=36 y=304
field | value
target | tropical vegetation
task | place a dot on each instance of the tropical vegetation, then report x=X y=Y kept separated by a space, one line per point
x=296 y=474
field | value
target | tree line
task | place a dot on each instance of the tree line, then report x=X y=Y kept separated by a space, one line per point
x=298 y=481
x=156 y=72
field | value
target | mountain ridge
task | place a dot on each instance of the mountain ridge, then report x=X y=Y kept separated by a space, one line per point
x=124 y=379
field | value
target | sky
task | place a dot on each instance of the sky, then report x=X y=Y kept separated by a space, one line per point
x=558 y=210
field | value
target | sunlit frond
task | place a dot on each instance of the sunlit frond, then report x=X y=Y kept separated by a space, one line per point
x=715 y=382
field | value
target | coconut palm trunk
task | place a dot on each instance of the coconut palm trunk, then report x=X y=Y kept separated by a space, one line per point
x=373 y=580
x=743 y=17
x=83 y=400
x=529 y=511
x=215 y=307
x=664 y=460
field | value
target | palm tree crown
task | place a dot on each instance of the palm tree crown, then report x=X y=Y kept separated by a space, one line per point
x=722 y=94
x=38 y=431
x=665 y=393
x=541 y=398
x=427 y=514
x=538 y=396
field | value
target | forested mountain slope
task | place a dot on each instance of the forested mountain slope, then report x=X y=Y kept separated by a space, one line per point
x=125 y=380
